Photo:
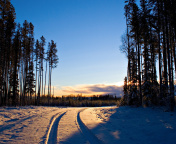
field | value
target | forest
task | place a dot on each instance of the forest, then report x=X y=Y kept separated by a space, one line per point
x=82 y=101
x=30 y=113
x=26 y=67
x=149 y=44
x=25 y=64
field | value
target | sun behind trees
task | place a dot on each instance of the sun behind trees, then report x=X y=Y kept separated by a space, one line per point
x=150 y=41
x=22 y=64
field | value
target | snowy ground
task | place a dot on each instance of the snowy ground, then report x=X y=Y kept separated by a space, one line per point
x=30 y=125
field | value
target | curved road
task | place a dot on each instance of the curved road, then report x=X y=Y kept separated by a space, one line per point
x=67 y=128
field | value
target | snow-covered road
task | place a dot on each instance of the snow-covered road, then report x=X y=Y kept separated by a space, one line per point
x=50 y=125
x=68 y=128
x=47 y=125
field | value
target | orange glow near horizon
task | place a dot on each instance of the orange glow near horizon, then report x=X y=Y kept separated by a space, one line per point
x=90 y=89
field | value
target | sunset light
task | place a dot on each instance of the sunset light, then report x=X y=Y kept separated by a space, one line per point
x=87 y=71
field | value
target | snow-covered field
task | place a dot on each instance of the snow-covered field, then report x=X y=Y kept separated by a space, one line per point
x=110 y=125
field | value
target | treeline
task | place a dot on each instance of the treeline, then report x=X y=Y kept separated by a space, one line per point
x=149 y=43
x=23 y=75
x=81 y=101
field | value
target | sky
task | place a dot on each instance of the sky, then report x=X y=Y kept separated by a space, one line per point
x=88 y=37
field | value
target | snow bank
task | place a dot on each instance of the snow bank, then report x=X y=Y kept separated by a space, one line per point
x=131 y=125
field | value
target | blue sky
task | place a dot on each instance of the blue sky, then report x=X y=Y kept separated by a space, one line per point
x=88 y=36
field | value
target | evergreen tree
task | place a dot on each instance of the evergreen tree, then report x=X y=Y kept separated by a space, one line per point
x=7 y=27
x=30 y=74
x=36 y=51
x=16 y=59
x=52 y=59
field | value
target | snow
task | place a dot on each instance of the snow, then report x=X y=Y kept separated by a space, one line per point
x=132 y=125
x=67 y=125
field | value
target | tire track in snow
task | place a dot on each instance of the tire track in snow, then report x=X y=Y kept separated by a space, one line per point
x=86 y=132
x=52 y=132
x=15 y=122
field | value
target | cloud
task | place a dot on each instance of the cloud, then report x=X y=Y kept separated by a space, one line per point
x=93 y=89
